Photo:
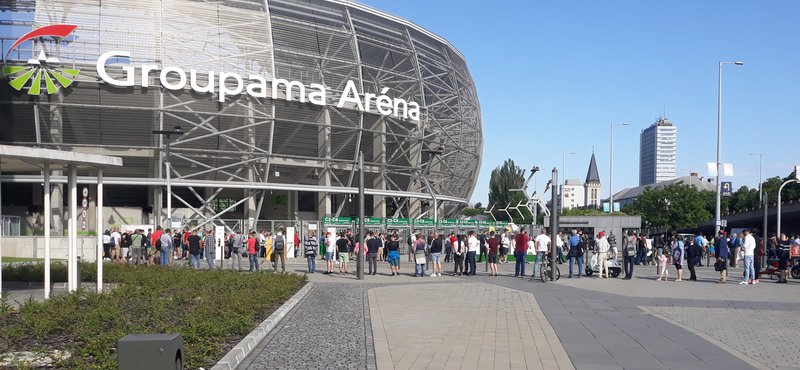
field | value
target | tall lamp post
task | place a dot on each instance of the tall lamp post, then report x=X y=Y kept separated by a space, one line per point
x=178 y=131
x=719 y=147
x=611 y=175
x=760 y=176
x=433 y=153
x=564 y=165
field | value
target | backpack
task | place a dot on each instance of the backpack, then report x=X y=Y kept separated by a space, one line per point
x=278 y=243
x=408 y=241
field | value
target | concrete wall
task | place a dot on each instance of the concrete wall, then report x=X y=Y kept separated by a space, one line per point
x=33 y=247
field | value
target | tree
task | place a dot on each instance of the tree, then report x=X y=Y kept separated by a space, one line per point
x=672 y=206
x=742 y=199
x=504 y=178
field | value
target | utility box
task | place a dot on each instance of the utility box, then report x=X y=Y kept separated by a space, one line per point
x=150 y=352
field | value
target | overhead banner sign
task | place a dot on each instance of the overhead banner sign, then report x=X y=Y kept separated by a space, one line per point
x=372 y=221
x=448 y=223
x=423 y=222
x=397 y=222
x=341 y=221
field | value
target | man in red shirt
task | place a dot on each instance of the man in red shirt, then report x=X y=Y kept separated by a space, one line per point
x=494 y=247
x=521 y=252
x=252 y=250
x=155 y=250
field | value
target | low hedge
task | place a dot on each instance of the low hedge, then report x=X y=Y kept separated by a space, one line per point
x=212 y=310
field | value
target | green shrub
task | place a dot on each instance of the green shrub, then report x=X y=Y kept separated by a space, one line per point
x=211 y=309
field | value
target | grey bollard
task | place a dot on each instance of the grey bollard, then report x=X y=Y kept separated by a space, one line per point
x=150 y=352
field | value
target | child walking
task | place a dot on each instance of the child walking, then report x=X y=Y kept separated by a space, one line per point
x=664 y=259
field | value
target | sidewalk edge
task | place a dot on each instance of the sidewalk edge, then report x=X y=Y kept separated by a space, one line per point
x=238 y=353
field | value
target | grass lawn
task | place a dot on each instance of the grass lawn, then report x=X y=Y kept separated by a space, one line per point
x=212 y=310
x=22 y=259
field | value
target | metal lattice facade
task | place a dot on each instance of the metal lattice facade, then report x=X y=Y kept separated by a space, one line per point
x=245 y=141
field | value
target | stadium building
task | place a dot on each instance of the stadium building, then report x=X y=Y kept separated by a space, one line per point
x=275 y=100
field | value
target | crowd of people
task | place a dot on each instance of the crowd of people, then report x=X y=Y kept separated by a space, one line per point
x=462 y=251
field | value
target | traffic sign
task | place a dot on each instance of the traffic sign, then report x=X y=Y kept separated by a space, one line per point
x=727 y=188
x=85 y=203
x=83 y=225
x=83 y=213
x=85 y=192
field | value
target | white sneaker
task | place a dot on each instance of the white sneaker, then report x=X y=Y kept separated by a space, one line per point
x=433 y=275
x=742 y=283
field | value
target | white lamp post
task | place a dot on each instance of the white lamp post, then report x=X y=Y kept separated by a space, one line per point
x=719 y=146
x=760 y=175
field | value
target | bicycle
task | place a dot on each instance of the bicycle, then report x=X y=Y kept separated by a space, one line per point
x=547 y=273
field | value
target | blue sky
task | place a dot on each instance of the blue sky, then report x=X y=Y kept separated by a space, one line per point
x=553 y=75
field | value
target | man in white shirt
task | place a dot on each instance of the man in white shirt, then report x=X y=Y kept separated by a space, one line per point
x=473 y=246
x=115 y=238
x=602 y=253
x=542 y=250
x=749 y=249
x=505 y=245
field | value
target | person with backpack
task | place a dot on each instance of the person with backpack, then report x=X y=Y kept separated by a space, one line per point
x=252 y=250
x=238 y=248
x=210 y=248
x=166 y=243
x=330 y=252
x=278 y=250
x=393 y=256
x=410 y=241
x=311 y=246
x=125 y=244
x=575 y=253
x=194 y=241
x=137 y=247
x=107 y=245
x=115 y=239
x=373 y=244
x=629 y=254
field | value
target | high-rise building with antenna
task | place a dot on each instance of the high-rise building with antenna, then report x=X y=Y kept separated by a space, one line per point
x=657 y=152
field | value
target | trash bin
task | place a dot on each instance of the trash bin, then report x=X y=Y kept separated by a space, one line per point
x=150 y=351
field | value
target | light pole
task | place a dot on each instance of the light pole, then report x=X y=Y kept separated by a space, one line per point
x=690 y=175
x=433 y=153
x=564 y=165
x=719 y=146
x=611 y=175
x=780 y=189
x=176 y=130
x=760 y=175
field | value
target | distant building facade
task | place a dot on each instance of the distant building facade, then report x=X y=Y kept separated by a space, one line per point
x=626 y=196
x=575 y=193
x=657 y=152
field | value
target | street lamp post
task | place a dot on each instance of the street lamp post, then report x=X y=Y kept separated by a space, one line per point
x=760 y=176
x=564 y=165
x=719 y=146
x=176 y=130
x=611 y=175
x=780 y=189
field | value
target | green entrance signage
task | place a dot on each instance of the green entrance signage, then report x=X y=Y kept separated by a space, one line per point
x=448 y=223
x=468 y=223
x=423 y=222
x=397 y=222
x=501 y=224
x=372 y=221
x=337 y=221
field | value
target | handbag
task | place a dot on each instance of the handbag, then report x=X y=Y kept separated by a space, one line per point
x=719 y=266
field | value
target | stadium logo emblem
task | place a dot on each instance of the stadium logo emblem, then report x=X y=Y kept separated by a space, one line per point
x=41 y=70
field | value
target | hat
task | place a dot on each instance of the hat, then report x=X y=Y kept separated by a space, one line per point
x=602 y=233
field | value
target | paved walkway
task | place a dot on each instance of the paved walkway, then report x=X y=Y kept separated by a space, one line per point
x=462 y=326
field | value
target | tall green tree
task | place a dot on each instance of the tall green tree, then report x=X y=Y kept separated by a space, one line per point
x=504 y=178
x=672 y=206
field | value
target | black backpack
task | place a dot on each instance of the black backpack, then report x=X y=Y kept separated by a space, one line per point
x=278 y=243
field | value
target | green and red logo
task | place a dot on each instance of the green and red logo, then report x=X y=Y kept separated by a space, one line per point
x=42 y=70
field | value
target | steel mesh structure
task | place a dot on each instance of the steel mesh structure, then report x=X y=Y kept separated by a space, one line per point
x=246 y=142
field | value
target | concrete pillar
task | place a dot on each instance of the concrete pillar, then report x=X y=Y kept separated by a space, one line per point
x=48 y=212
x=72 y=227
x=57 y=206
x=99 y=210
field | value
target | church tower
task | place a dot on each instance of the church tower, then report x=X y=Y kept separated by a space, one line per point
x=592 y=185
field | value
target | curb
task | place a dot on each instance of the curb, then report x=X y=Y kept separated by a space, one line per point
x=232 y=360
